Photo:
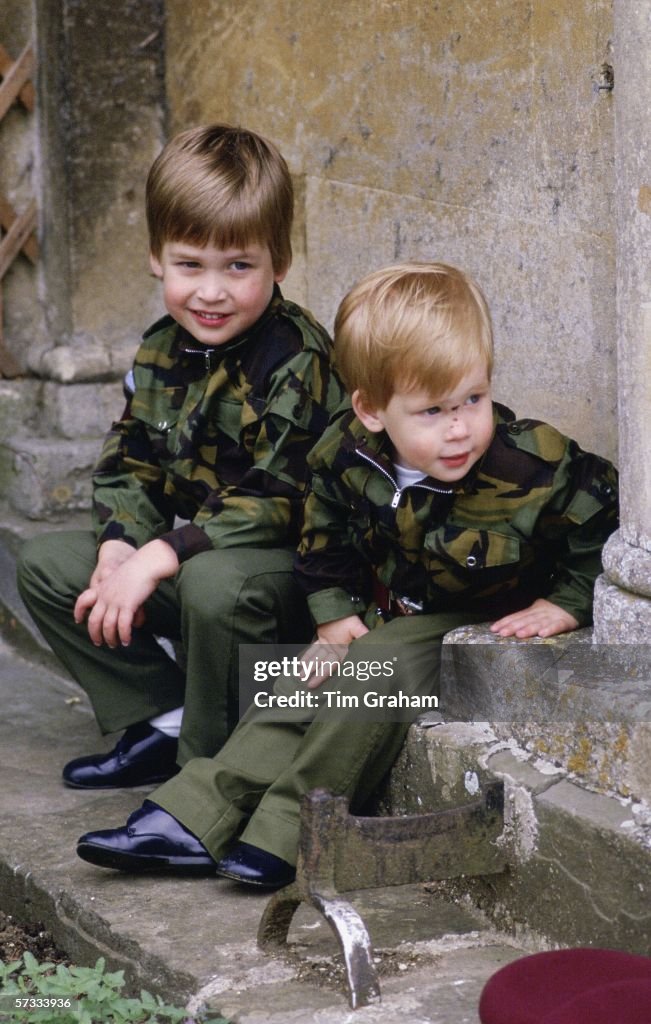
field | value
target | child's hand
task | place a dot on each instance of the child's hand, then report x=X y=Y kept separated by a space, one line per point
x=331 y=644
x=341 y=631
x=542 y=618
x=114 y=604
x=111 y=555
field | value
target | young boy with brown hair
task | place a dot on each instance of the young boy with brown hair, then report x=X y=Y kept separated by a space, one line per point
x=198 y=490
x=430 y=507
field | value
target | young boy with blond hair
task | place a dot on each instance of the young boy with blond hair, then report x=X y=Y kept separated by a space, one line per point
x=197 y=494
x=430 y=507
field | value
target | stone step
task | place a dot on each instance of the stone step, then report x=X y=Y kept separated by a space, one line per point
x=16 y=625
x=193 y=941
x=579 y=861
x=581 y=704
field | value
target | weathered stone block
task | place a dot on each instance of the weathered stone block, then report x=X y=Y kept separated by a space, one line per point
x=566 y=700
x=87 y=359
x=47 y=479
x=521 y=772
x=622 y=617
x=578 y=861
x=438 y=767
x=79 y=411
x=18 y=400
x=626 y=564
x=465 y=110
x=586 y=880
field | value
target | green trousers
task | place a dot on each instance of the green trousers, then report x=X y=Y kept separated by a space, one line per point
x=253 y=787
x=217 y=601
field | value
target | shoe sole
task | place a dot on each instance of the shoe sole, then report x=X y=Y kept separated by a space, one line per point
x=141 y=864
x=120 y=785
x=249 y=881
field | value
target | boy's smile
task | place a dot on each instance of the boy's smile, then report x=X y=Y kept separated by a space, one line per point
x=216 y=294
x=443 y=436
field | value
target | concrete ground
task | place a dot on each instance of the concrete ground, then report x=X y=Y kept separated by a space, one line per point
x=194 y=941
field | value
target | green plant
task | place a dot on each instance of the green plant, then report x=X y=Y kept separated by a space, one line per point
x=40 y=993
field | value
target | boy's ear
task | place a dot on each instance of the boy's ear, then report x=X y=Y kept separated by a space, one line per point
x=366 y=413
x=155 y=266
x=280 y=275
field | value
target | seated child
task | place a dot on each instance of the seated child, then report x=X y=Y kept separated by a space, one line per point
x=430 y=507
x=198 y=491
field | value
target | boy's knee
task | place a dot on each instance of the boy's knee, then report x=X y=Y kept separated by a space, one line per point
x=231 y=578
x=31 y=558
x=209 y=577
x=34 y=571
x=63 y=560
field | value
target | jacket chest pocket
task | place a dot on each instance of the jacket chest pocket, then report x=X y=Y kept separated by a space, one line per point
x=226 y=419
x=159 y=408
x=458 y=558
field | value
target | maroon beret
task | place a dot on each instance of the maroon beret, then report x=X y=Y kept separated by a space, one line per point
x=570 y=986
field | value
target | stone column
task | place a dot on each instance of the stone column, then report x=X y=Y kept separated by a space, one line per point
x=623 y=594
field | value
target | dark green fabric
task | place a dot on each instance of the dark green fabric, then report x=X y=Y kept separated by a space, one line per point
x=252 y=788
x=218 y=600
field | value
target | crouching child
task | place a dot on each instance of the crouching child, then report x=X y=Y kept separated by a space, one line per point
x=198 y=491
x=430 y=506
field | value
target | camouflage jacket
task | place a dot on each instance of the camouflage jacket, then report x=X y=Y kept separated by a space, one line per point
x=529 y=520
x=218 y=436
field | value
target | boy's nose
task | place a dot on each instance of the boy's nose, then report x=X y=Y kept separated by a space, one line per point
x=211 y=288
x=457 y=426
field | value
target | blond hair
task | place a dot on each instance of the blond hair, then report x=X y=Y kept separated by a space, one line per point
x=412 y=325
x=222 y=186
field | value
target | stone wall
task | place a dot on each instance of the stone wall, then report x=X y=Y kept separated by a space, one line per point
x=74 y=320
x=84 y=154
x=101 y=109
x=480 y=133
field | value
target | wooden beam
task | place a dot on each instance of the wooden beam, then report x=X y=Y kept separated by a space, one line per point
x=27 y=94
x=15 y=79
x=7 y=218
x=15 y=85
x=16 y=237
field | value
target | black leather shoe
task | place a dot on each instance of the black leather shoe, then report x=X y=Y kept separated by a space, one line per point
x=151 y=840
x=143 y=756
x=253 y=866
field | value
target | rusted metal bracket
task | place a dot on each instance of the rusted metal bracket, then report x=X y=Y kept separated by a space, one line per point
x=339 y=852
